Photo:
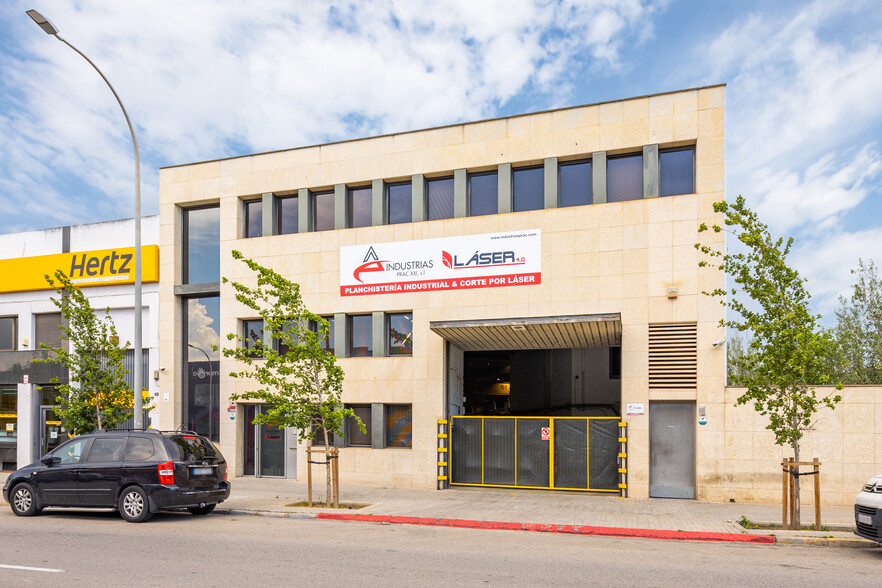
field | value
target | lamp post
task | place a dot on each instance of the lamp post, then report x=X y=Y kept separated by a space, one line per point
x=50 y=29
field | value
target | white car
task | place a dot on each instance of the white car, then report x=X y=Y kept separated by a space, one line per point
x=868 y=510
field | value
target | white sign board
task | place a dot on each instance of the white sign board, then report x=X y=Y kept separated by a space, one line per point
x=451 y=263
x=635 y=408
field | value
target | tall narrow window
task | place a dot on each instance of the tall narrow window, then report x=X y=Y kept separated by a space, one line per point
x=8 y=333
x=360 y=207
x=440 y=198
x=399 y=203
x=361 y=335
x=355 y=437
x=399 y=425
x=575 y=183
x=624 y=177
x=327 y=343
x=252 y=335
x=47 y=330
x=528 y=187
x=253 y=218
x=201 y=370
x=323 y=210
x=676 y=170
x=288 y=215
x=400 y=333
x=9 y=419
x=201 y=245
x=483 y=194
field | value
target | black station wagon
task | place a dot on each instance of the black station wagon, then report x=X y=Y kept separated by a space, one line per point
x=138 y=472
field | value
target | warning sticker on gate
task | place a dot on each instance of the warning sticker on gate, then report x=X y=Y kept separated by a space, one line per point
x=546 y=434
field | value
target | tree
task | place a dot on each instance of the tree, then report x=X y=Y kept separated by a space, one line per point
x=859 y=329
x=736 y=348
x=786 y=357
x=98 y=396
x=300 y=382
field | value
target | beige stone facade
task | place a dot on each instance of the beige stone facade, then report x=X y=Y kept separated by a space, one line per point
x=616 y=257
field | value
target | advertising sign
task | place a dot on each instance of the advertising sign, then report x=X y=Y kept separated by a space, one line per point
x=635 y=408
x=451 y=263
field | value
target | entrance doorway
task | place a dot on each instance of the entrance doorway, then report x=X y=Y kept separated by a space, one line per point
x=52 y=430
x=263 y=446
x=672 y=449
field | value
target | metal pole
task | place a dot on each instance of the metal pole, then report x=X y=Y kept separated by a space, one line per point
x=137 y=375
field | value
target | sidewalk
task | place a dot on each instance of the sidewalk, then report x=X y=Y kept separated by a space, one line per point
x=539 y=510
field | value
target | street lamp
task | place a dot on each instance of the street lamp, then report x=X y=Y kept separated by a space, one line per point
x=50 y=29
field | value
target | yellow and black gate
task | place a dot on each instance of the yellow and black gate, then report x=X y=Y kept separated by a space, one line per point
x=564 y=453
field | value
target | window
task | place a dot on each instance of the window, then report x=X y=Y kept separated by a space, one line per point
x=252 y=334
x=201 y=371
x=327 y=344
x=72 y=451
x=400 y=333
x=8 y=333
x=281 y=347
x=139 y=449
x=575 y=183
x=360 y=207
x=287 y=215
x=361 y=335
x=201 y=245
x=399 y=203
x=528 y=188
x=440 y=198
x=105 y=450
x=399 y=425
x=8 y=414
x=129 y=364
x=483 y=194
x=676 y=170
x=253 y=218
x=318 y=439
x=323 y=211
x=47 y=330
x=354 y=435
x=624 y=178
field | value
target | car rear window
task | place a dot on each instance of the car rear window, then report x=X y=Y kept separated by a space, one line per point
x=192 y=448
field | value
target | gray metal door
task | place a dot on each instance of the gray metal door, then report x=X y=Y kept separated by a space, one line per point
x=672 y=449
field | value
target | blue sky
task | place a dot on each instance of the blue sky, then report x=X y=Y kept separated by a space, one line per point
x=206 y=79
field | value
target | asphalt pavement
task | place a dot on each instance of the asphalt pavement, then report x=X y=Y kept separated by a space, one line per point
x=539 y=510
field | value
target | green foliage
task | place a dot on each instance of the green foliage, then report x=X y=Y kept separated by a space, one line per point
x=786 y=354
x=97 y=396
x=302 y=385
x=737 y=347
x=858 y=332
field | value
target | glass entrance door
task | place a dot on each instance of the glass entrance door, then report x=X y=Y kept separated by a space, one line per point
x=53 y=432
x=263 y=446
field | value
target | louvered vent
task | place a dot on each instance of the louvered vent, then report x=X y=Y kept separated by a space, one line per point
x=673 y=355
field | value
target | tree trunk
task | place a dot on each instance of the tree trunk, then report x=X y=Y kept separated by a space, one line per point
x=796 y=523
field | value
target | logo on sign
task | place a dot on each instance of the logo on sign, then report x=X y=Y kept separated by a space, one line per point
x=546 y=434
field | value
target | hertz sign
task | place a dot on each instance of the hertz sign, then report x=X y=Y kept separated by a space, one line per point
x=107 y=267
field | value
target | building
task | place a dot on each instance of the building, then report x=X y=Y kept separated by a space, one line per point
x=539 y=265
x=99 y=258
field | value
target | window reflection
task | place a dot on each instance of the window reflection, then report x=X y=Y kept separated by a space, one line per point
x=324 y=211
x=360 y=207
x=254 y=218
x=202 y=245
x=399 y=203
x=401 y=334
x=399 y=425
x=202 y=368
x=360 y=338
x=288 y=215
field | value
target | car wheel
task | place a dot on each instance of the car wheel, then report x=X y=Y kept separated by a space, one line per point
x=23 y=500
x=134 y=506
x=202 y=510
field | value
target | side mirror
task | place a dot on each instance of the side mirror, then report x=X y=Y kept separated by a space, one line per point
x=50 y=460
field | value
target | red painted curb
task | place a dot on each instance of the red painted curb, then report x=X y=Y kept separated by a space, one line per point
x=547 y=528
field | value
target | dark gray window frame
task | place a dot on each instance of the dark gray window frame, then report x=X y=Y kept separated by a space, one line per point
x=573 y=162
x=514 y=172
x=14 y=319
x=673 y=150
x=387 y=201
x=277 y=205
x=246 y=217
x=349 y=207
x=185 y=249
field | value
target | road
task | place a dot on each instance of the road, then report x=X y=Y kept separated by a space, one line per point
x=99 y=549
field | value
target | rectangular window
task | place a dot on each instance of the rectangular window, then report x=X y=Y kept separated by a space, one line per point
x=676 y=170
x=575 y=183
x=253 y=218
x=318 y=439
x=528 y=188
x=399 y=425
x=252 y=333
x=400 y=333
x=323 y=210
x=287 y=215
x=129 y=364
x=283 y=348
x=360 y=207
x=483 y=194
x=202 y=245
x=8 y=333
x=354 y=435
x=8 y=415
x=399 y=203
x=47 y=330
x=440 y=198
x=361 y=335
x=201 y=370
x=327 y=344
x=624 y=178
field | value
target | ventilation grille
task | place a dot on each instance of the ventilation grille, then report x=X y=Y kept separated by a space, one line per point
x=673 y=356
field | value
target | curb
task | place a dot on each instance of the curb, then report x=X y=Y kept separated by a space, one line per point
x=853 y=543
x=547 y=528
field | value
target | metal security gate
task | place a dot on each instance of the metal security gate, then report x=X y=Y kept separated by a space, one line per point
x=563 y=453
